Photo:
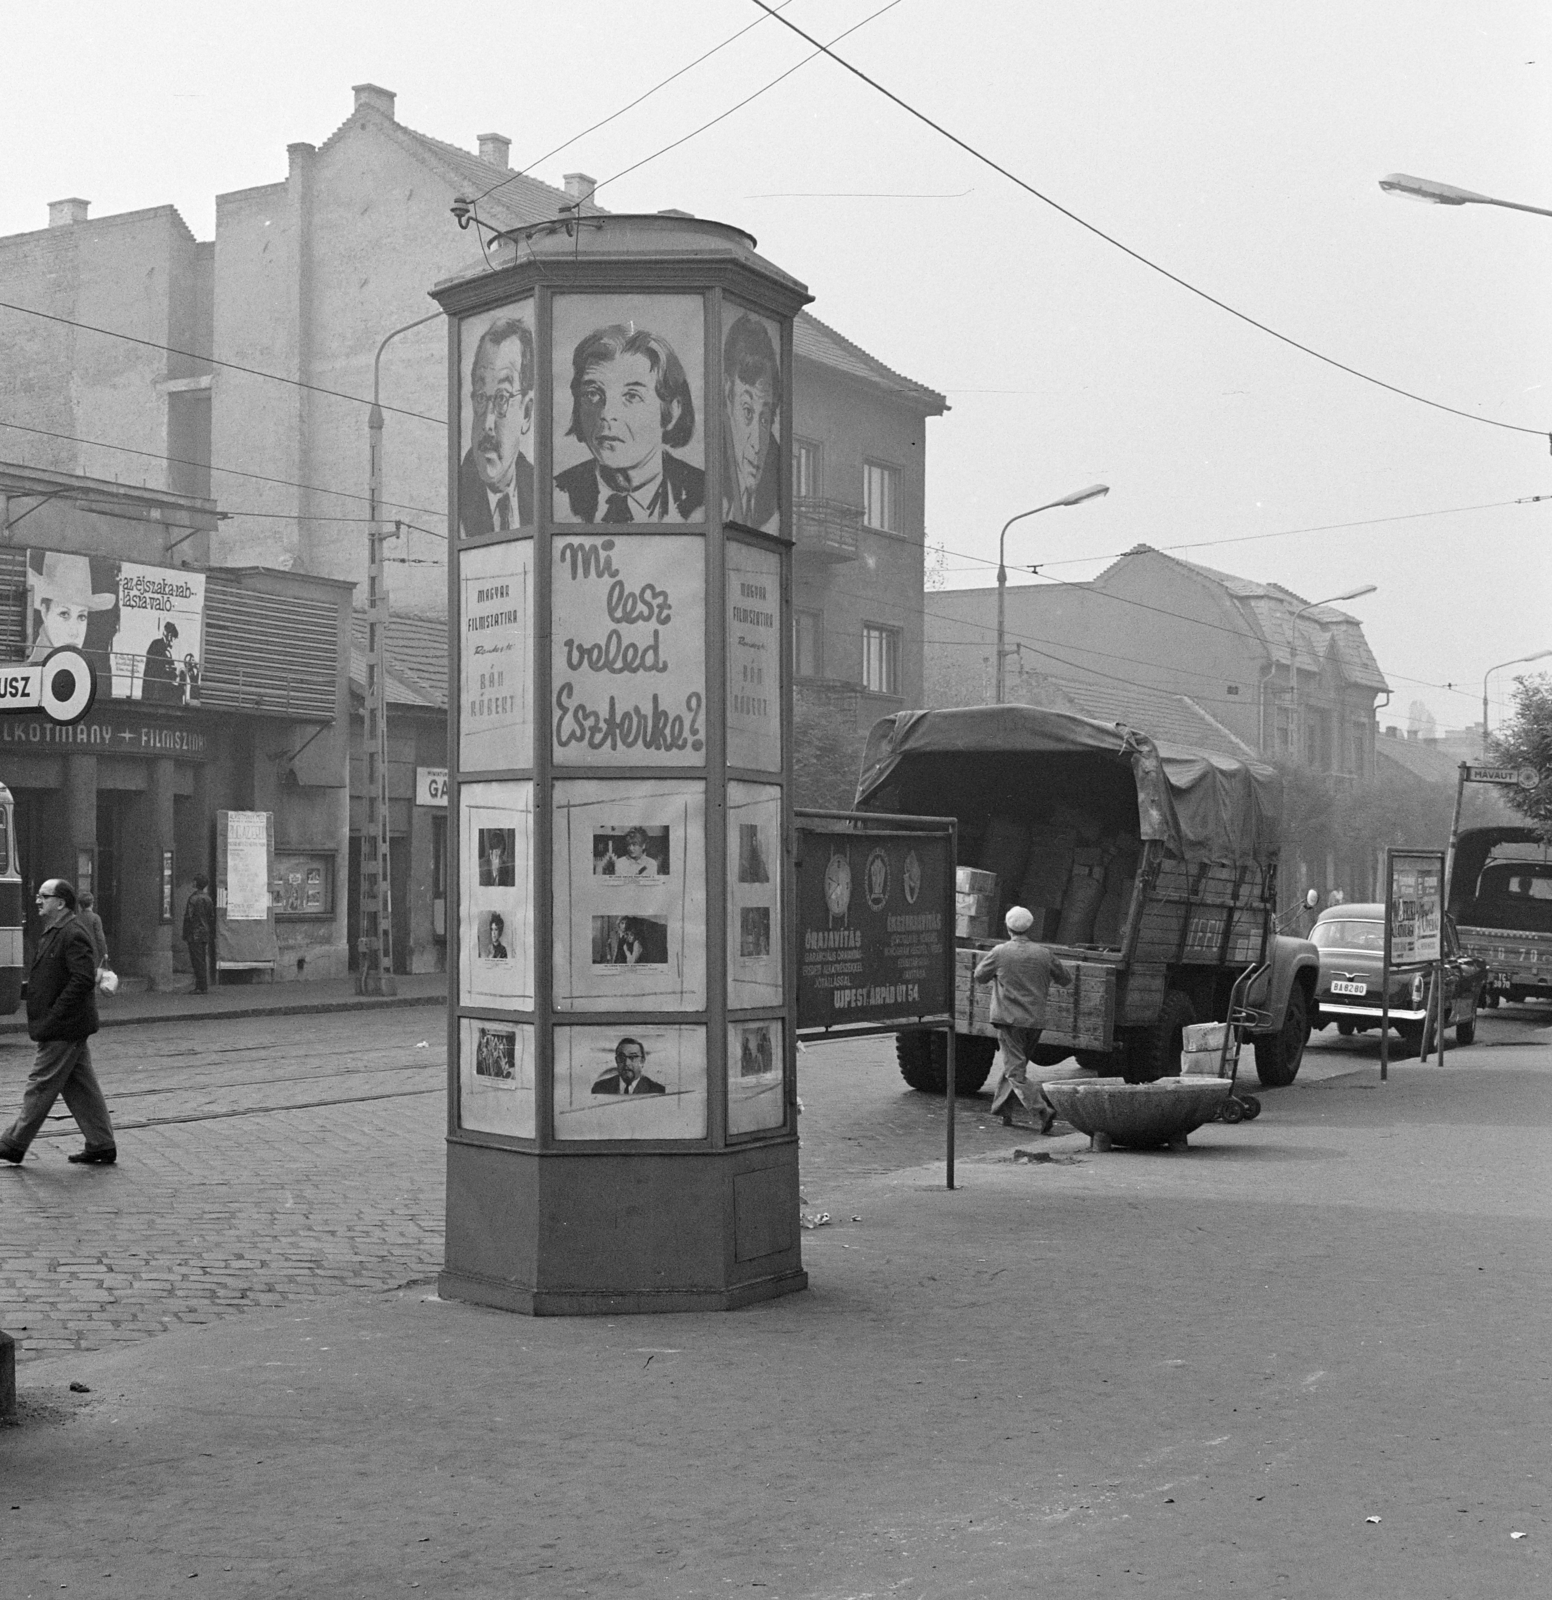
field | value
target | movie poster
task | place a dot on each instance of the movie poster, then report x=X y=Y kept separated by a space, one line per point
x=496 y=421
x=496 y=1077
x=754 y=653
x=630 y=1083
x=496 y=904
x=628 y=650
x=630 y=895
x=751 y=419
x=754 y=864
x=495 y=681
x=629 y=409
x=755 y=1076
x=141 y=627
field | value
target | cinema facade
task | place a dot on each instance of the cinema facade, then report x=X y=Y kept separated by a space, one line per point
x=219 y=691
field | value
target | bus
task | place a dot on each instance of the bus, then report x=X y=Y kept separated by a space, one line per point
x=11 y=968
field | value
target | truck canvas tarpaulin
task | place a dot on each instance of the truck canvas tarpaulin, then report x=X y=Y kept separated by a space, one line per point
x=1198 y=805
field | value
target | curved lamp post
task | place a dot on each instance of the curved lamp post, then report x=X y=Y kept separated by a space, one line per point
x=1093 y=492
x=1486 y=675
x=1446 y=194
x=1293 y=652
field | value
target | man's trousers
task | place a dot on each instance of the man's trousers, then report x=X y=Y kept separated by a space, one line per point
x=63 y=1067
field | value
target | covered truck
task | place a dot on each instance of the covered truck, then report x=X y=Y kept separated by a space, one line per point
x=1151 y=868
x=1501 y=899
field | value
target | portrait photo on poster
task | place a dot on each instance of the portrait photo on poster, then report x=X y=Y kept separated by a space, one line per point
x=496 y=410
x=495 y=648
x=142 y=628
x=630 y=1083
x=752 y=866
x=492 y=936
x=754 y=932
x=755 y=1077
x=632 y=851
x=495 y=1077
x=495 y=906
x=751 y=419
x=630 y=933
x=629 y=379
x=496 y=858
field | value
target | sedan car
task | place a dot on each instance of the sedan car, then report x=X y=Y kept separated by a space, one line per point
x=1351 y=942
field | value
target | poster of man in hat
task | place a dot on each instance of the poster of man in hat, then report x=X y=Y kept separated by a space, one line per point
x=141 y=627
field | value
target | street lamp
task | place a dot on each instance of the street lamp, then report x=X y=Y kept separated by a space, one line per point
x=1446 y=194
x=1486 y=675
x=1093 y=492
x=1293 y=653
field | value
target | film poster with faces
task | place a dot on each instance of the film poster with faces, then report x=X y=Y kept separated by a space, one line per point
x=497 y=905
x=495 y=682
x=752 y=466
x=630 y=895
x=755 y=1076
x=630 y=1082
x=754 y=653
x=754 y=895
x=496 y=1077
x=498 y=379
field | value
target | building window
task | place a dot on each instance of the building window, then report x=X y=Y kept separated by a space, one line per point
x=1283 y=731
x=880 y=659
x=808 y=643
x=881 y=496
x=807 y=477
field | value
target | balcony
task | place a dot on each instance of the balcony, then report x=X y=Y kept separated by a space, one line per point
x=825 y=530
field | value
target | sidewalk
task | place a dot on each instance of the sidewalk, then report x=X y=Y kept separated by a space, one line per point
x=1299 y=1360
x=255 y=1000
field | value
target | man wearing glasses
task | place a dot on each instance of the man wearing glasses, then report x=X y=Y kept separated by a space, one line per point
x=495 y=478
x=61 y=1017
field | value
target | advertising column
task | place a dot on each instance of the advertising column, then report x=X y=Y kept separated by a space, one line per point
x=622 y=1123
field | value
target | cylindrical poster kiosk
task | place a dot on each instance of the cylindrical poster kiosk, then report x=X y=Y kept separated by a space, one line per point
x=621 y=1130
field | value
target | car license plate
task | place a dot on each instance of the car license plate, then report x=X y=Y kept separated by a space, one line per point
x=1349 y=988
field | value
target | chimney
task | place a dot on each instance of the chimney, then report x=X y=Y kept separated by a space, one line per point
x=494 y=148
x=580 y=186
x=1392 y=732
x=369 y=94
x=63 y=212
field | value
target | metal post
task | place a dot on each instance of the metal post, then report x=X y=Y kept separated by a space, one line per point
x=1449 y=857
x=1002 y=602
x=950 y=1098
x=1385 y=978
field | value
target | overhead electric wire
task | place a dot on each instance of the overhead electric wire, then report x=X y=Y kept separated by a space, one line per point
x=723 y=115
x=1137 y=255
x=231 y=366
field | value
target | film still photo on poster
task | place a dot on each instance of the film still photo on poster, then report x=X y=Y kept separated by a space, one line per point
x=630 y=1083
x=629 y=894
x=142 y=628
x=495 y=1075
x=496 y=901
x=629 y=404
x=753 y=894
x=751 y=419
x=496 y=413
x=495 y=648
x=755 y=1077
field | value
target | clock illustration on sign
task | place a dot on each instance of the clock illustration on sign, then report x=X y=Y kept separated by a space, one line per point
x=837 y=885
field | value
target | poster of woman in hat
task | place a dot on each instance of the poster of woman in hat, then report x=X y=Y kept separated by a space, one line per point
x=62 y=599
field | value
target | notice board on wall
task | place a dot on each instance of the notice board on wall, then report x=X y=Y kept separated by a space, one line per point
x=245 y=909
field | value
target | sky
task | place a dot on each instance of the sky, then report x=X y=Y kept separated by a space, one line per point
x=1237 y=146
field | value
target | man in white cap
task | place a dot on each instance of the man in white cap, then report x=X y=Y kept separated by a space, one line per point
x=1020 y=972
x=61 y=595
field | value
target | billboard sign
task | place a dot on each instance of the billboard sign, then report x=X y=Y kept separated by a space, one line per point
x=1414 y=897
x=141 y=627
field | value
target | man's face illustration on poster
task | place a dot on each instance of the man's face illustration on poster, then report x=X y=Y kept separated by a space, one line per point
x=751 y=411
x=502 y=409
x=631 y=1059
x=619 y=416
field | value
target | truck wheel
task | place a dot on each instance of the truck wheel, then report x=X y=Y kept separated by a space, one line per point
x=1279 y=1054
x=1411 y=1038
x=1107 y=1063
x=1347 y=1029
x=924 y=1066
x=1490 y=999
x=1154 y=1052
x=1049 y=1055
x=1466 y=1028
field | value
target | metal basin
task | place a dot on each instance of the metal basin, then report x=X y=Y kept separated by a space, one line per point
x=1140 y=1116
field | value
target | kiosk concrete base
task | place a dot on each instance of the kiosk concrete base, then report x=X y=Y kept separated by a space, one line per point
x=606 y=1233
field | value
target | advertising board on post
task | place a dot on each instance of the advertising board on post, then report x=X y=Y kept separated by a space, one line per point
x=1414 y=930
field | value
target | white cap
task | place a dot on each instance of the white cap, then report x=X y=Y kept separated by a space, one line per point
x=1019 y=920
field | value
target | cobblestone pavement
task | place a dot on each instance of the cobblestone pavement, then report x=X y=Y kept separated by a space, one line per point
x=266 y=1160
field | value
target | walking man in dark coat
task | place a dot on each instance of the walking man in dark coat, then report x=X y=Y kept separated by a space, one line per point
x=199 y=931
x=1022 y=972
x=61 y=1017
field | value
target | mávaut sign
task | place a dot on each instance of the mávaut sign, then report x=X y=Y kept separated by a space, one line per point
x=875 y=926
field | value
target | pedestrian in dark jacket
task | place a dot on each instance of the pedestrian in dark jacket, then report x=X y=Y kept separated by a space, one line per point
x=86 y=911
x=62 y=1017
x=199 y=931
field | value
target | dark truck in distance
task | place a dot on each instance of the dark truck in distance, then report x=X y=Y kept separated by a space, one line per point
x=1501 y=900
x=1151 y=869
